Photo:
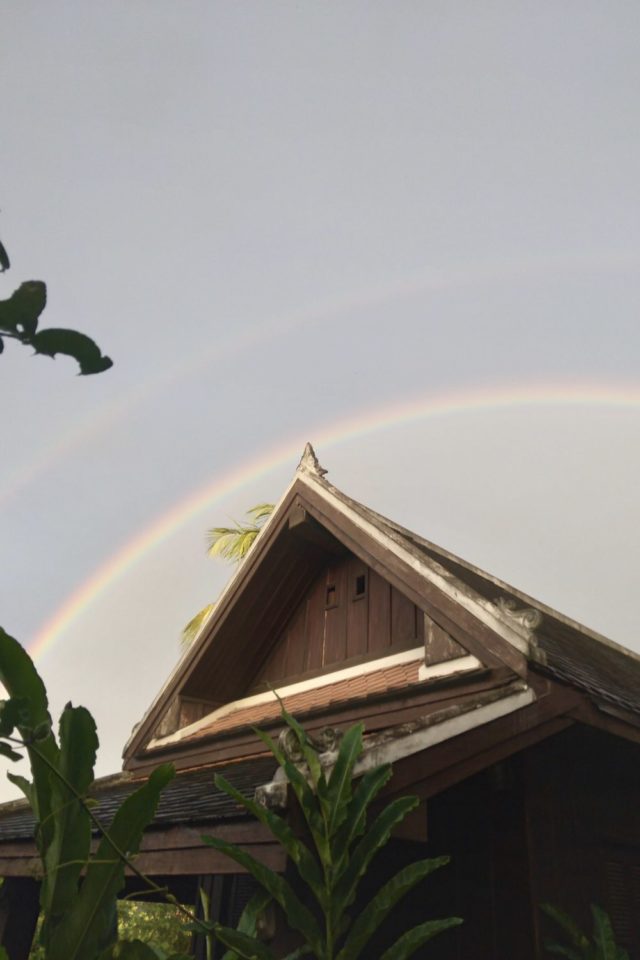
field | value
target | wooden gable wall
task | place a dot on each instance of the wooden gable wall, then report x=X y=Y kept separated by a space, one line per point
x=350 y=613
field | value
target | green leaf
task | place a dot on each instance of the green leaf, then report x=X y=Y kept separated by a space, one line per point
x=372 y=842
x=242 y=945
x=298 y=916
x=260 y=511
x=603 y=935
x=340 y=782
x=383 y=902
x=308 y=752
x=304 y=794
x=13 y=713
x=413 y=939
x=6 y=751
x=23 y=784
x=22 y=681
x=233 y=543
x=192 y=629
x=356 y=818
x=82 y=348
x=249 y=918
x=570 y=927
x=71 y=840
x=297 y=852
x=19 y=314
x=87 y=926
x=5 y=263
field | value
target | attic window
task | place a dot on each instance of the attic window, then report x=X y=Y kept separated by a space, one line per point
x=331 y=599
x=360 y=585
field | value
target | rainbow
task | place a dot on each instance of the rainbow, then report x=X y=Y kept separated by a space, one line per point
x=354 y=303
x=405 y=412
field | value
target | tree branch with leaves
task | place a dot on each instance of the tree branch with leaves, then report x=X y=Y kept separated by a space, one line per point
x=19 y=319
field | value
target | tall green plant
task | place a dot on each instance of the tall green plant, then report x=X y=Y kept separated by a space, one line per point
x=79 y=912
x=579 y=946
x=330 y=869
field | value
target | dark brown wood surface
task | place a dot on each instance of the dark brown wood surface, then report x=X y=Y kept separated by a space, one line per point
x=348 y=612
x=177 y=850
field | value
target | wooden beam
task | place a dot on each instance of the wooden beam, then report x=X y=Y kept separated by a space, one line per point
x=203 y=859
x=587 y=712
x=430 y=771
x=175 y=851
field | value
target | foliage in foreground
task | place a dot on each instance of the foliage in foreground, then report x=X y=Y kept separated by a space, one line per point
x=330 y=869
x=160 y=926
x=79 y=912
x=232 y=543
x=19 y=318
x=578 y=946
x=79 y=890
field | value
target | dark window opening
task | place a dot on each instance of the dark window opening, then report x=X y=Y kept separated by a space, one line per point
x=361 y=585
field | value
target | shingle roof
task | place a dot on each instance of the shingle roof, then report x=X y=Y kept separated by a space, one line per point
x=396 y=677
x=566 y=650
x=191 y=797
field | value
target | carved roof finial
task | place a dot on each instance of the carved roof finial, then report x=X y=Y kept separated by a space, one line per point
x=309 y=462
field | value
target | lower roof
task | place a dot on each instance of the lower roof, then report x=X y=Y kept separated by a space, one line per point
x=191 y=797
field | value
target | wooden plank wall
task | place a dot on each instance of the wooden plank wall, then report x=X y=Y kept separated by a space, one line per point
x=583 y=796
x=349 y=613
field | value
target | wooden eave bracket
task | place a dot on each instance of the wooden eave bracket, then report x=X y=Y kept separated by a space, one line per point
x=407 y=739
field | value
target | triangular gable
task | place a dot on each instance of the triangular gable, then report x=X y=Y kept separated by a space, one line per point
x=350 y=614
x=315 y=528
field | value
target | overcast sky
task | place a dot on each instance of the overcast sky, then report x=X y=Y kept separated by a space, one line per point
x=279 y=216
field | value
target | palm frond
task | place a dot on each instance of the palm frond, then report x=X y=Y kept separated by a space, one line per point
x=194 y=626
x=233 y=543
x=260 y=512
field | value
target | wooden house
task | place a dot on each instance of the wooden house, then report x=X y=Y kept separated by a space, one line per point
x=517 y=728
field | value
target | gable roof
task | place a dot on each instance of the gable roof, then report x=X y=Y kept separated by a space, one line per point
x=315 y=522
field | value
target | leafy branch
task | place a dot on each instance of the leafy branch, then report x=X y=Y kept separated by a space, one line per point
x=233 y=544
x=19 y=318
x=318 y=904
x=578 y=946
x=121 y=855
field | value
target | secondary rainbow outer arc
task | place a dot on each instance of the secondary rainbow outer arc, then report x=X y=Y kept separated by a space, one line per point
x=345 y=429
x=419 y=281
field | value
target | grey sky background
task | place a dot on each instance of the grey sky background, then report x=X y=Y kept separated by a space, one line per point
x=275 y=216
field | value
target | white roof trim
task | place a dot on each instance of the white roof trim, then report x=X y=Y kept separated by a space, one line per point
x=386 y=748
x=483 y=610
x=191 y=651
x=397 y=743
x=449 y=667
